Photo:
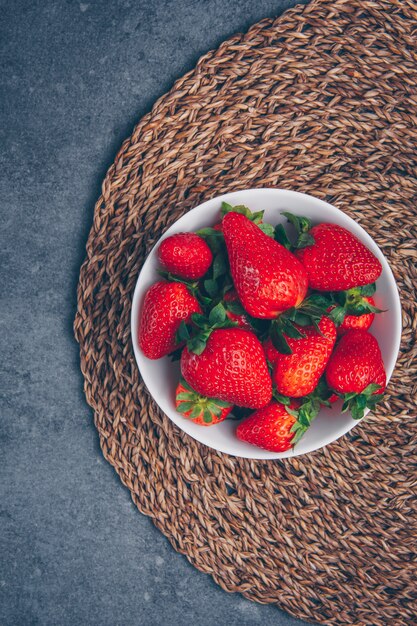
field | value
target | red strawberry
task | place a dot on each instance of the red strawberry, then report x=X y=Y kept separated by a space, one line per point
x=361 y=322
x=185 y=255
x=270 y=428
x=356 y=369
x=268 y=278
x=165 y=306
x=337 y=260
x=356 y=363
x=232 y=367
x=298 y=374
x=199 y=409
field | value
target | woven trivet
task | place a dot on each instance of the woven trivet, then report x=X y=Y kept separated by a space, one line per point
x=322 y=100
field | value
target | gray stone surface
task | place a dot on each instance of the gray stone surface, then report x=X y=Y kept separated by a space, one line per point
x=75 y=77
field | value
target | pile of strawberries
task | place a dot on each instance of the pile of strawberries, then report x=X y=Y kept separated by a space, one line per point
x=268 y=326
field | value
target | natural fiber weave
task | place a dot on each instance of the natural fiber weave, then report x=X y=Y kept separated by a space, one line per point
x=322 y=100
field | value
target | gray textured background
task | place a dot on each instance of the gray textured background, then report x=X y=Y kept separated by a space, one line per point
x=75 y=78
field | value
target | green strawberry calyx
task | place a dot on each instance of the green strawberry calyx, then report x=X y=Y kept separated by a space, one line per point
x=356 y=403
x=254 y=216
x=260 y=326
x=288 y=324
x=200 y=406
x=302 y=226
x=191 y=285
x=196 y=335
x=307 y=410
x=352 y=302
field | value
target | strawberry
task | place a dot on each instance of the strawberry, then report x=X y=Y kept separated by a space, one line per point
x=298 y=374
x=269 y=428
x=268 y=278
x=361 y=322
x=231 y=367
x=185 y=255
x=165 y=306
x=356 y=369
x=336 y=260
x=200 y=409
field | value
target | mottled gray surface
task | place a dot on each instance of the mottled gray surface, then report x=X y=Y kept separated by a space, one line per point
x=75 y=77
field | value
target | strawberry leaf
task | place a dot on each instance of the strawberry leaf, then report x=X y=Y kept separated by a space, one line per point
x=302 y=227
x=278 y=340
x=199 y=320
x=182 y=332
x=301 y=224
x=204 y=300
x=302 y=319
x=192 y=285
x=221 y=403
x=318 y=300
x=195 y=412
x=285 y=400
x=298 y=434
x=243 y=210
x=337 y=315
x=368 y=290
x=282 y=237
x=212 y=288
x=322 y=392
x=236 y=308
x=255 y=216
x=214 y=409
x=217 y=314
x=185 y=395
x=197 y=344
x=370 y=389
x=268 y=229
x=309 y=312
x=353 y=301
x=304 y=240
x=358 y=402
x=184 y=407
x=290 y=330
x=209 y=232
x=219 y=265
x=292 y=412
x=207 y=417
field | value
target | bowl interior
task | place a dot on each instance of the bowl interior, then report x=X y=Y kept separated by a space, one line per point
x=161 y=376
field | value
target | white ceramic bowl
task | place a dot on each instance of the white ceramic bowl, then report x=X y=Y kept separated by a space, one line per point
x=161 y=376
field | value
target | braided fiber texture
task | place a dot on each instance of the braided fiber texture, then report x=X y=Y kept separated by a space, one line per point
x=323 y=101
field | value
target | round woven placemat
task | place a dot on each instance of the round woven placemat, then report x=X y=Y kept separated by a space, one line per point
x=322 y=100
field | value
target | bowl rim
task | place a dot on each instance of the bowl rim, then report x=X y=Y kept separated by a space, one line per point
x=259 y=453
